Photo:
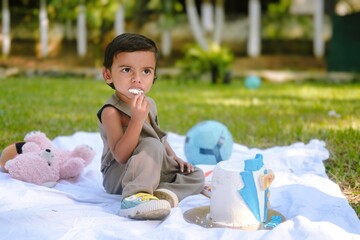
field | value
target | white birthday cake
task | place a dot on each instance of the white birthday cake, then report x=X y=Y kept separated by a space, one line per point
x=240 y=193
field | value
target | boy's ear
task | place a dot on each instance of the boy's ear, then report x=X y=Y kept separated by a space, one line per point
x=106 y=75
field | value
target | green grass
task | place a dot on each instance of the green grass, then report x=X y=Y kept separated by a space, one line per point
x=275 y=114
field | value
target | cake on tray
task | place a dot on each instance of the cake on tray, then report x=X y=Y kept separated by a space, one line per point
x=240 y=193
x=239 y=197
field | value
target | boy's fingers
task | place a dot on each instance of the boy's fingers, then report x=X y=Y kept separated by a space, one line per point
x=181 y=167
x=190 y=168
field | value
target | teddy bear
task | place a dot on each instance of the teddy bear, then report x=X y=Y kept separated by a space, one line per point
x=41 y=163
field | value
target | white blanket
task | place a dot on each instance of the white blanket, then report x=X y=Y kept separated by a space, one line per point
x=313 y=205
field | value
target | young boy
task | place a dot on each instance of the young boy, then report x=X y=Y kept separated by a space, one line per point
x=137 y=161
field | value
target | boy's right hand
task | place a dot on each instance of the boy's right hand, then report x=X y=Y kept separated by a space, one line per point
x=139 y=108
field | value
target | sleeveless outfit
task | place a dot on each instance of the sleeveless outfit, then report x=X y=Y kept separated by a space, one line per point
x=149 y=167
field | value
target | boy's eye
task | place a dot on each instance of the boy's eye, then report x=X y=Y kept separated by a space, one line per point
x=126 y=70
x=147 y=71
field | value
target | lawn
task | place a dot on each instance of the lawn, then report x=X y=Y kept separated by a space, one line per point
x=275 y=114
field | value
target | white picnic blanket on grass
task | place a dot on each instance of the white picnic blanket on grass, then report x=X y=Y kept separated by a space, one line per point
x=313 y=205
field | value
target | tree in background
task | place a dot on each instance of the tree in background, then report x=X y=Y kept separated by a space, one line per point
x=198 y=30
x=81 y=30
x=67 y=12
x=119 y=24
x=6 y=41
x=207 y=56
x=44 y=28
x=64 y=11
x=168 y=12
x=98 y=16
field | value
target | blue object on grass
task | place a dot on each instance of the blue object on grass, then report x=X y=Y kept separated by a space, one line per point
x=252 y=82
x=208 y=142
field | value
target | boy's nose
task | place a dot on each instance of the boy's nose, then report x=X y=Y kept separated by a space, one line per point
x=135 y=78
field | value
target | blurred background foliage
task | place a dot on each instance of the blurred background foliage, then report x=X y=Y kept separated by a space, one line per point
x=166 y=13
x=282 y=30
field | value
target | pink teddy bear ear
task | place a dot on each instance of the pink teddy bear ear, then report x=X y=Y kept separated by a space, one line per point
x=30 y=147
x=39 y=138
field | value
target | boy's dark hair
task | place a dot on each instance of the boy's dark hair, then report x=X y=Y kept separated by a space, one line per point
x=128 y=42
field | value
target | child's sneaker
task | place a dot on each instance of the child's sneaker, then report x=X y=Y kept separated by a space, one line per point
x=167 y=195
x=144 y=206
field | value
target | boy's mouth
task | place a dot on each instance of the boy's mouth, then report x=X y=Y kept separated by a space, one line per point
x=136 y=91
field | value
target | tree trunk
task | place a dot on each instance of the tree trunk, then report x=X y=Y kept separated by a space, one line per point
x=318 y=28
x=219 y=20
x=6 y=28
x=81 y=31
x=207 y=13
x=119 y=20
x=44 y=25
x=193 y=18
x=254 y=39
x=166 y=43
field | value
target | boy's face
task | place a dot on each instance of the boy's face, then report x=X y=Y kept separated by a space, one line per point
x=131 y=70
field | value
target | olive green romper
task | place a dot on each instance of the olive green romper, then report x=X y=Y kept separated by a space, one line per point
x=149 y=167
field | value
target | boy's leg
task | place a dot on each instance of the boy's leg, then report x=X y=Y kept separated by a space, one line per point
x=182 y=184
x=149 y=169
x=141 y=179
x=136 y=181
x=144 y=168
x=113 y=176
x=140 y=174
x=152 y=169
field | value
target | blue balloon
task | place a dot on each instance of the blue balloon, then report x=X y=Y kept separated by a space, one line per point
x=208 y=142
x=252 y=82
